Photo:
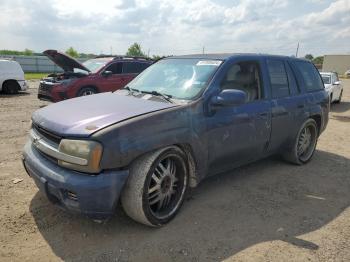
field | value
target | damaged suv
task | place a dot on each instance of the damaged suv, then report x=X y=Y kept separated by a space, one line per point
x=101 y=74
x=180 y=120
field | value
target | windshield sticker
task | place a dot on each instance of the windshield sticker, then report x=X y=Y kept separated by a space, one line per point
x=209 y=62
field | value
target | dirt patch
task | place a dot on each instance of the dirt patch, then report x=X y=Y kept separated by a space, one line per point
x=267 y=211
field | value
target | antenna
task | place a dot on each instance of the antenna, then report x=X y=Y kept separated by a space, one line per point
x=296 y=53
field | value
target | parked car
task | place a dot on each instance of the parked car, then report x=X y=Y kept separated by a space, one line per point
x=11 y=77
x=333 y=86
x=180 y=120
x=101 y=74
x=347 y=73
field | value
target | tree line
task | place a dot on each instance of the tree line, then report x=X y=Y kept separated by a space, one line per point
x=134 y=50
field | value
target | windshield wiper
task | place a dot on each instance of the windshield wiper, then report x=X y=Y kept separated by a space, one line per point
x=156 y=93
x=131 y=90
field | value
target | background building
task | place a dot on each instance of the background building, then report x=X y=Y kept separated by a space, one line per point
x=336 y=63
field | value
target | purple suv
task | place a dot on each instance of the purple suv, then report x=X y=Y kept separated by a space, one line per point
x=180 y=120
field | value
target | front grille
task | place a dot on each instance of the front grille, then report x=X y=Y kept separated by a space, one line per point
x=47 y=134
x=45 y=87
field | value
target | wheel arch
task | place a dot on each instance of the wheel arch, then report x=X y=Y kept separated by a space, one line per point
x=191 y=163
x=186 y=149
x=318 y=120
x=10 y=81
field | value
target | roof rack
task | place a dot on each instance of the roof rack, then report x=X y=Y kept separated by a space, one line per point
x=115 y=57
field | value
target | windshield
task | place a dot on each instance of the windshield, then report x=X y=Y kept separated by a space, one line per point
x=326 y=79
x=178 y=78
x=93 y=65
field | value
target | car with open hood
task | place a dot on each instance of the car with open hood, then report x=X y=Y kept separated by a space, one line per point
x=97 y=75
x=180 y=120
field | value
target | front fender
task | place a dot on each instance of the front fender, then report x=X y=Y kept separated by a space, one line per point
x=125 y=141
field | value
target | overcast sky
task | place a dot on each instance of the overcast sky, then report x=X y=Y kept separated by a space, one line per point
x=167 y=27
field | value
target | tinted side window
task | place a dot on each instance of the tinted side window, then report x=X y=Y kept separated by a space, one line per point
x=310 y=75
x=244 y=76
x=132 y=67
x=278 y=78
x=115 y=68
x=143 y=66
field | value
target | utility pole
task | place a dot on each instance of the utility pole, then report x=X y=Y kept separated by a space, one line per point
x=296 y=53
x=203 y=50
x=149 y=50
x=111 y=51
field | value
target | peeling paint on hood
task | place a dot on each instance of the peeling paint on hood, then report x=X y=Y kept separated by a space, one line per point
x=85 y=115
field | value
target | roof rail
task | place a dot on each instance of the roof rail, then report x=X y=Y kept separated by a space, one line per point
x=125 y=57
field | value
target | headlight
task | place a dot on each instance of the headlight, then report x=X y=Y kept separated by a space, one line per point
x=82 y=155
x=67 y=82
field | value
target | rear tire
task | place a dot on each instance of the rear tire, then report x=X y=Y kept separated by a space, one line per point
x=86 y=91
x=156 y=187
x=304 y=145
x=10 y=87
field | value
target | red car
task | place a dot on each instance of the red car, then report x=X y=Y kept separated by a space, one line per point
x=101 y=74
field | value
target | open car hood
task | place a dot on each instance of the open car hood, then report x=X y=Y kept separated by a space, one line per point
x=64 y=61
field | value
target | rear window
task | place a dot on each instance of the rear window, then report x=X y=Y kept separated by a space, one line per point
x=311 y=77
x=278 y=78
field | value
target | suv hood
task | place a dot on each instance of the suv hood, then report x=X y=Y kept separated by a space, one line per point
x=85 y=115
x=64 y=61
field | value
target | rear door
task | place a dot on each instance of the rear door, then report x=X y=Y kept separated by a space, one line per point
x=287 y=103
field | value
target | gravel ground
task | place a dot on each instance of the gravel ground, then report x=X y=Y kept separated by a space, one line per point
x=267 y=211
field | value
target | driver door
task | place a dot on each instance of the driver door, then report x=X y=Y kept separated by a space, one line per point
x=240 y=134
x=114 y=81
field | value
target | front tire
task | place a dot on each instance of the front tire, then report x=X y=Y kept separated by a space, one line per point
x=10 y=87
x=304 y=145
x=156 y=187
x=86 y=91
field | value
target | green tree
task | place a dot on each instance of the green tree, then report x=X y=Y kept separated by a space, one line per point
x=135 y=50
x=28 y=52
x=157 y=57
x=318 y=60
x=72 y=52
x=309 y=57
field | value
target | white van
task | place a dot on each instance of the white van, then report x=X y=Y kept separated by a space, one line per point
x=11 y=77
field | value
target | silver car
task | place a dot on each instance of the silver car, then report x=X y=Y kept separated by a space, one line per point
x=333 y=86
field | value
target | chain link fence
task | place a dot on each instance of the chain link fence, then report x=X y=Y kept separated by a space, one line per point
x=35 y=64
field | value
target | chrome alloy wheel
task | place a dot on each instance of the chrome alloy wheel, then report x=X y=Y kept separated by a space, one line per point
x=166 y=187
x=306 y=143
x=87 y=93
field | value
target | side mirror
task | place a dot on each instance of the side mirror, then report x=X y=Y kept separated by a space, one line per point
x=107 y=73
x=229 y=97
x=337 y=83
